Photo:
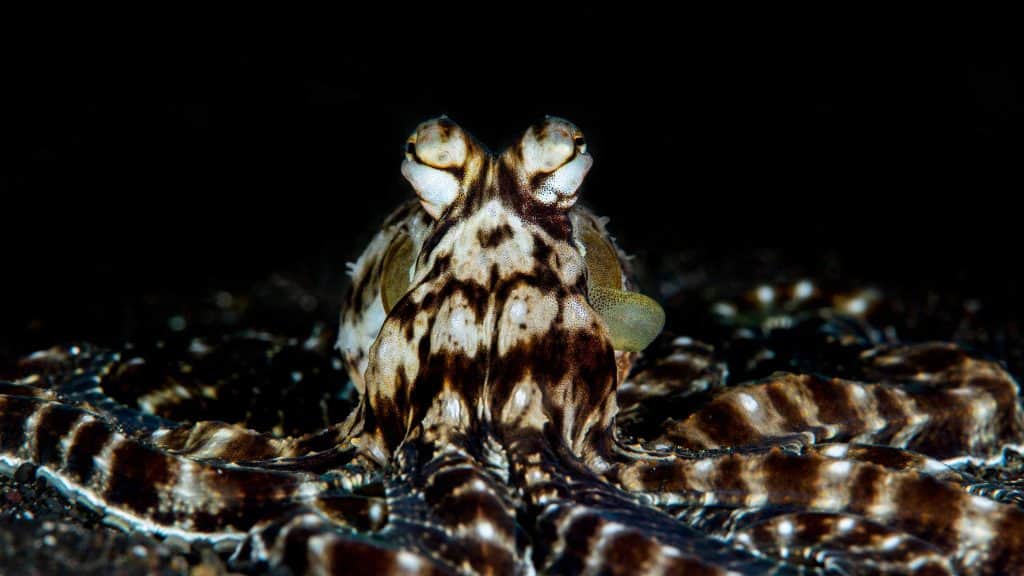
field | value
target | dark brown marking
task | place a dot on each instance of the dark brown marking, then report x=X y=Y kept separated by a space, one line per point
x=247 y=497
x=865 y=485
x=348 y=509
x=136 y=477
x=890 y=408
x=54 y=423
x=494 y=236
x=729 y=476
x=1007 y=549
x=14 y=412
x=725 y=424
x=520 y=200
x=892 y=458
x=629 y=553
x=87 y=443
x=830 y=399
x=580 y=537
x=778 y=393
x=916 y=499
x=948 y=433
x=790 y=480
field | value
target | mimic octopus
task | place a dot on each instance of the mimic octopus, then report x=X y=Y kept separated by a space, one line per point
x=510 y=421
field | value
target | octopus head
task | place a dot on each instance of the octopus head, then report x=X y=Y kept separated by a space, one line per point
x=504 y=302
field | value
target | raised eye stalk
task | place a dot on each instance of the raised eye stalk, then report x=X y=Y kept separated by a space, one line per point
x=554 y=162
x=438 y=159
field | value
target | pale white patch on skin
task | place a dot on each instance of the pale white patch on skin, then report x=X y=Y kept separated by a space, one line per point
x=828 y=500
x=936 y=467
x=983 y=504
x=883 y=506
x=456 y=328
x=756 y=499
x=517 y=311
x=846 y=524
x=447 y=411
x=840 y=468
x=526 y=405
x=452 y=409
x=977 y=528
x=748 y=402
x=541 y=310
x=520 y=398
x=376 y=513
x=485 y=530
x=535 y=476
x=576 y=313
x=408 y=561
x=611 y=528
x=598 y=464
x=391 y=353
x=983 y=409
x=785 y=528
x=892 y=542
x=318 y=544
x=671 y=551
x=573 y=264
x=704 y=467
x=836 y=450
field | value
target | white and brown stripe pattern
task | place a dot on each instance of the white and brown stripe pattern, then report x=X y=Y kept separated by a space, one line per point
x=485 y=438
x=136 y=485
x=962 y=407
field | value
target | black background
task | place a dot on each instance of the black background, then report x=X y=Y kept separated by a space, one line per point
x=179 y=165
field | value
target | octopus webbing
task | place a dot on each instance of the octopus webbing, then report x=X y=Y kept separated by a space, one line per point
x=514 y=417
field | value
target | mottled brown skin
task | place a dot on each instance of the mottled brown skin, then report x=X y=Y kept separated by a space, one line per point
x=489 y=437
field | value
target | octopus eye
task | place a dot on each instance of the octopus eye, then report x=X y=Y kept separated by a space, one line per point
x=633 y=320
x=554 y=162
x=436 y=156
x=396 y=270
